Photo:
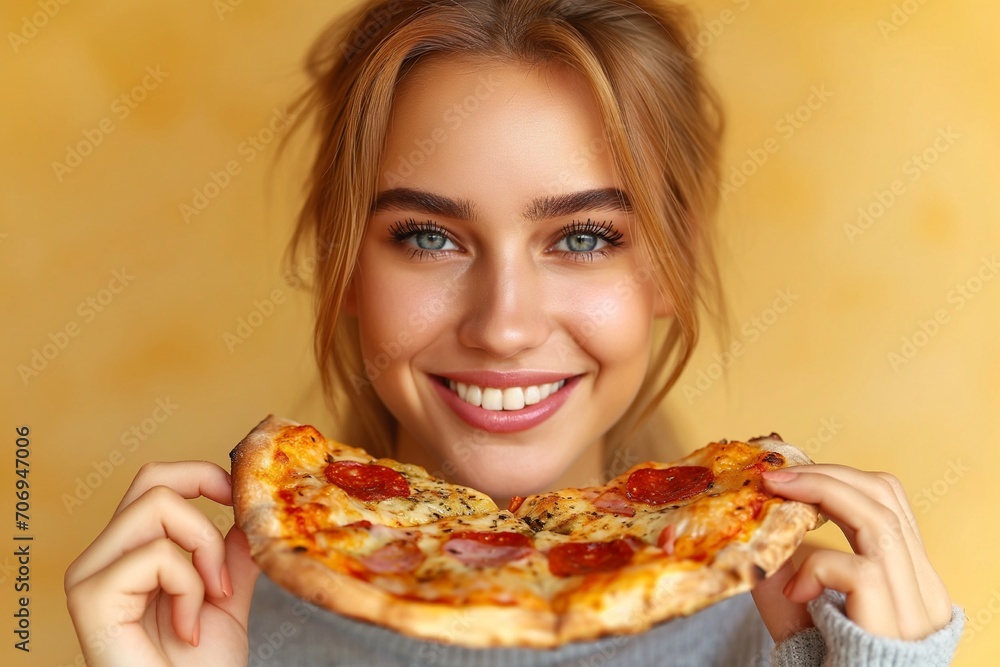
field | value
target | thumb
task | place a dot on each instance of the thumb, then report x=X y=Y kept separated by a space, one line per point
x=782 y=617
x=243 y=573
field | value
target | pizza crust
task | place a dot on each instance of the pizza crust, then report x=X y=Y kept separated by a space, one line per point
x=476 y=626
x=625 y=601
x=253 y=500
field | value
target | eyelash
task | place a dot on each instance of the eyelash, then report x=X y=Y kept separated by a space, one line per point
x=604 y=231
x=401 y=231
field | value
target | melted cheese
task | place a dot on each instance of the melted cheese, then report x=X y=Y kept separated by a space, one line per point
x=435 y=509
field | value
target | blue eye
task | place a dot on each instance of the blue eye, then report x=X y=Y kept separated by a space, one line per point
x=584 y=238
x=430 y=240
x=422 y=236
x=580 y=243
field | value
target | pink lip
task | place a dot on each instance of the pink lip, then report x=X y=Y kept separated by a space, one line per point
x=503 y=421
x=503 y=380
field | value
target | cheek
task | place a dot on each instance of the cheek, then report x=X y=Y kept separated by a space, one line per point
x=612 y=325
x=399 y=313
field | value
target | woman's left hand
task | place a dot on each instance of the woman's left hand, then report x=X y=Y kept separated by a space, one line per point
x=892 y=590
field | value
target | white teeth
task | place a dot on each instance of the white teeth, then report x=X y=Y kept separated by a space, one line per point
x=474 y=395
x=511 y=398
x=492 y=399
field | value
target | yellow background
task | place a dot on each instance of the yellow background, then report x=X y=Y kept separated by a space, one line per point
x=819 y=373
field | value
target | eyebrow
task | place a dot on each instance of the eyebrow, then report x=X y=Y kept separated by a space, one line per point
x=542 y=208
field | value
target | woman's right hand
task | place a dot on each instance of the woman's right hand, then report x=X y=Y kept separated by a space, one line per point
x=135 y=599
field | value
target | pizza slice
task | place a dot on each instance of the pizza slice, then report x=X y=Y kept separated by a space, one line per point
x=384 y=541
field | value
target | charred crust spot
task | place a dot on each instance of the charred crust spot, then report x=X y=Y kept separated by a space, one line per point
x=746 y=482
x=774 y=458
x=313 y=438
x=299 y=549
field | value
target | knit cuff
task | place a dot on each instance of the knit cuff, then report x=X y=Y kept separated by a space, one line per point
x=847 y=645
x=803 y=649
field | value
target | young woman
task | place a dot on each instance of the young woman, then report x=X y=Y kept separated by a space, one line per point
x=507 y=195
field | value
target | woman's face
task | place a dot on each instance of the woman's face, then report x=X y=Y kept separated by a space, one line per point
x=504 y=315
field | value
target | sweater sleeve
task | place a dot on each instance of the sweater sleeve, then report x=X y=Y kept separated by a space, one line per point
x=837 y=641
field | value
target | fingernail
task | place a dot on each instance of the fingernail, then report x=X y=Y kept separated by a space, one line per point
x=226 y=581
x=779 y=475
x=788 y=587
x=229 y=478
x=196 y=633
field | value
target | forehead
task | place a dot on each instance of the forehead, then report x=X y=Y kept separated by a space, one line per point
x=463 y=119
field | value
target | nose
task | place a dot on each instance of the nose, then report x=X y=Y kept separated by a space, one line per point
x=505 y=308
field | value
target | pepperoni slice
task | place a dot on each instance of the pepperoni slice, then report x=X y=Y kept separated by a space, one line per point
x=658 y=486
x=395 y=557
x=488 y=549
x=572 y=558
x=613 y=502
x=367 y=481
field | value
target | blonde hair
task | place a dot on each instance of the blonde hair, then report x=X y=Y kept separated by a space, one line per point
x=663 y=124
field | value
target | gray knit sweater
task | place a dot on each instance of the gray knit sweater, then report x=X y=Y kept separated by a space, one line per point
x=286 y=631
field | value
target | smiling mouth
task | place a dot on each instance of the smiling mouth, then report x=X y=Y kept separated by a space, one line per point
x=507 y=399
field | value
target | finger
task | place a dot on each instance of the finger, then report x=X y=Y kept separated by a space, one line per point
x=243 y=574
x=863 y=519
x=782 y=617
x=869 y=602
x=158 y=513
x=190 y=479
x=875 y=532
x=117 y=595
x=888 y=491
x=882 y=487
